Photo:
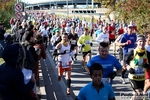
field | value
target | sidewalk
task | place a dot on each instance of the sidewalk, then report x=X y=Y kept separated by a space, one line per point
x=50 y=87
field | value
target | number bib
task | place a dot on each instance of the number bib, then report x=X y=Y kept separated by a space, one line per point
x=139 y=70
x=65 y=64
x=106 y=80
x=87 y=42
x=73 y=41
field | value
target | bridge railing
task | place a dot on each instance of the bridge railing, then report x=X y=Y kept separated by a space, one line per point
x=83 y=11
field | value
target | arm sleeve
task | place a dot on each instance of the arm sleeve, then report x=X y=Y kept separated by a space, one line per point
x=80 y=41
x=129 y=57
x=117 y=64
x=89 y=63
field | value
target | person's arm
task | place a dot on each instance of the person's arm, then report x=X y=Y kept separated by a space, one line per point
x=43 y=51
x=122 y=42
x=129 y=57
x=111 y=94
x=20 y=87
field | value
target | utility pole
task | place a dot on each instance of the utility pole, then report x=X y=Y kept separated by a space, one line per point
x=17 y=1
x=92 y=4
x=67 y=8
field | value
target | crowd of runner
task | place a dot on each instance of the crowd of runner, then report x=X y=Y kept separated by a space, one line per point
x=69 y=37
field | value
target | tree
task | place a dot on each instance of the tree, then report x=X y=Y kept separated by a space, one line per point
x=6 y=11
x=138 y=10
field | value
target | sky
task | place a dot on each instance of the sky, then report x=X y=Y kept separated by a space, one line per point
x=36 y=1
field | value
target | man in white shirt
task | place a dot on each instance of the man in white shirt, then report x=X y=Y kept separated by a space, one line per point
x=103 y=37
x=79 y=30
x=44 y=34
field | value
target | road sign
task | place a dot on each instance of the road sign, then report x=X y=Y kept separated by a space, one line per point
x=18 y=7
x=18 y=15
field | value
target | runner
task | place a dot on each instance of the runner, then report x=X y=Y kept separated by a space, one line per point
x=64 y=61
x=137 y=61
x=85 y=41
x=107 y=61
x=73 y=37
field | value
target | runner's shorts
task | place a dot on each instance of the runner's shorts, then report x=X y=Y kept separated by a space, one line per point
x=85 y=53
x=61 y=69
x=137 y=84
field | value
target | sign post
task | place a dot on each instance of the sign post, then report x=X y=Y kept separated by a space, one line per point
x=18 y=10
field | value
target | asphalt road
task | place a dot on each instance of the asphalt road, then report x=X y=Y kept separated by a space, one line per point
x=52 y=89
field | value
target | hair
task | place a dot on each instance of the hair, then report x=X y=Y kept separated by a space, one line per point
x=65 y=34
x=103 y=44
x=146 y=35
x=28 y=35
x=95 y=66
x=38 y=39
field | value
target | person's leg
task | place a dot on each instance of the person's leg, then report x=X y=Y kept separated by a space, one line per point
x=124 y=70
x=137 y=87
x=60 y=72
x=146 y=86
x=68 y=78
x=89 y=56
x=76 y=53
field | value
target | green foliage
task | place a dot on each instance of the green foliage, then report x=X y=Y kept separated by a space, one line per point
x=6 y=11
x=138 y=10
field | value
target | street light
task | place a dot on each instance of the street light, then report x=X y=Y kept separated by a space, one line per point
x=92 y=4
x=67 y=8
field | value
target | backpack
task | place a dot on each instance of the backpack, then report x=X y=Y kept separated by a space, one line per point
x=29 y=62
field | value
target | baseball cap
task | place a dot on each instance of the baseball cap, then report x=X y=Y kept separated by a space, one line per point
x=130 y=26
x=140 y=37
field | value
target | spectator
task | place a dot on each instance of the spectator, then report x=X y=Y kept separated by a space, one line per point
x=12 y=85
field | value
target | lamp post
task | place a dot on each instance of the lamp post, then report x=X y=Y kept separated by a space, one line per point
x=92 y=4
x=67 y=8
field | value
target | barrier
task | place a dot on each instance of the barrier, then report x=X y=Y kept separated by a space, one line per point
x=83 y=11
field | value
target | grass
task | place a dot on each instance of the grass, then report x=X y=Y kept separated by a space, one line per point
x=79 y=16
x=8 y=30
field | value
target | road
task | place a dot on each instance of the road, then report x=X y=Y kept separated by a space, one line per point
x=51 y=89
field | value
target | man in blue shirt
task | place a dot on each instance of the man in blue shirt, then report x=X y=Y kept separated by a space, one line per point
x=107 y=61
x=128 y=43
x=96 y=90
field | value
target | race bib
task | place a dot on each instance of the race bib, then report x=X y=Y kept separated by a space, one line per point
x=73 y=41
x=139 y=70
x=65 y=64
x=106 y=80
x=87 y=42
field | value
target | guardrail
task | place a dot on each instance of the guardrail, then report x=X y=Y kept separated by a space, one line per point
x=84 y=11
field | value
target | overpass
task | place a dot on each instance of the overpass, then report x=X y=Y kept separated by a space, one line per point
x=48 y=4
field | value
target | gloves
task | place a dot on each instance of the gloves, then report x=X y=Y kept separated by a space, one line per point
x=64 y=52
x=55 y=52
x=146 y=65
x=83 y=45
x=112 y=75
x=91 y=44
x=131 y=71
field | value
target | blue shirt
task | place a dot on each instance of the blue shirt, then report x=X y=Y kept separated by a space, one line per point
x=98 y=32
x=125 y=38
x=89 y=92
x=107 y=63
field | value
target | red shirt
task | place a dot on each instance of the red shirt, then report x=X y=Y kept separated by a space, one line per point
x=110 y=30
x=120 y=31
